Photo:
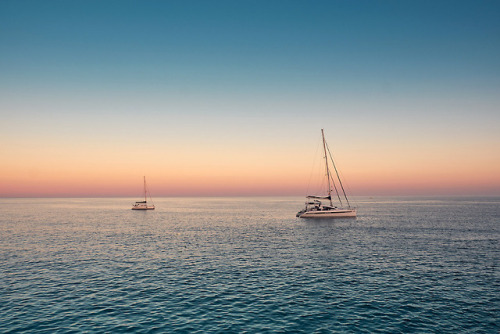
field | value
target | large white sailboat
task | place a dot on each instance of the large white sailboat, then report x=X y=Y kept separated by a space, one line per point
x=143 y=205
x=315 y=208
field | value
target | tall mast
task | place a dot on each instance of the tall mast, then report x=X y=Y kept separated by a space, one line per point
x=145 y=199
x=327 y=169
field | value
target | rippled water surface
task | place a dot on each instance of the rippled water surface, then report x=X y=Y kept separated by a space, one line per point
x=238 y=265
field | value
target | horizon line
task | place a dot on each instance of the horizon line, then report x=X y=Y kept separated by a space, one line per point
x=247 y=196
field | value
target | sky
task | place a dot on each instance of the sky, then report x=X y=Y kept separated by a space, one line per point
x=227 y=98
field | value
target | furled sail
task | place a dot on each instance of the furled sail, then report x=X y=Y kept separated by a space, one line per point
x=319 y=197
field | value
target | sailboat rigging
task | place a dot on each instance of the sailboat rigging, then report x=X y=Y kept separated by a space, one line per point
x=143 y=205
x=314 y=207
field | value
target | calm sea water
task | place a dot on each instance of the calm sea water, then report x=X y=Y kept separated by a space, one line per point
x=247 y=265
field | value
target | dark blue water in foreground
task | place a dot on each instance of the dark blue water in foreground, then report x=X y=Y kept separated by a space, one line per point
x=248 y=265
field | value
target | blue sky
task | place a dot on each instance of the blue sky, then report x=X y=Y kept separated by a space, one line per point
x=418 y=73
x=287 y=46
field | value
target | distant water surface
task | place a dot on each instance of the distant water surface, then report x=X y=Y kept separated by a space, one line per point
x=236 y=265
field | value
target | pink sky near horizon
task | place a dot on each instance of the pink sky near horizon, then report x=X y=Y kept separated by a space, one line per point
x=249 y=158
x=225 y=170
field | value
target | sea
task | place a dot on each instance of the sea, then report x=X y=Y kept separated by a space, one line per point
x=248 y=265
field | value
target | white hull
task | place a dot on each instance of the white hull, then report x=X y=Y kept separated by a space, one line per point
x=338 y=213
x=143 y=208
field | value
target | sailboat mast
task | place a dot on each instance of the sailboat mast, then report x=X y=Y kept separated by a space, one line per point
x=327 y=169
x=145 y=199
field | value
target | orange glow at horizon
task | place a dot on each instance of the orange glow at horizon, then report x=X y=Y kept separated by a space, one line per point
x=221 y=167
x=226 y=181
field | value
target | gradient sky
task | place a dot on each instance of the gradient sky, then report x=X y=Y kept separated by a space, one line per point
x=228 y=97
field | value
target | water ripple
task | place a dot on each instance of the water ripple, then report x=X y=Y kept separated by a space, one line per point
x=241 y=265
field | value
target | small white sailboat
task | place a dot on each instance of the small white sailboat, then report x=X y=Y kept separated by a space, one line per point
x=315 y=208
x=143 y=205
